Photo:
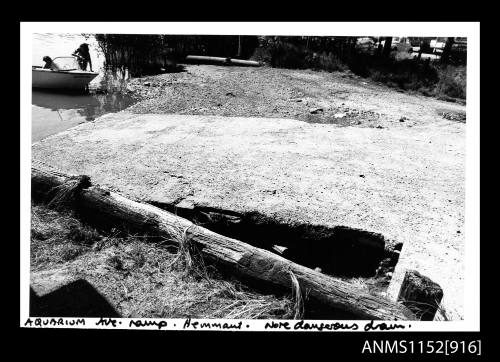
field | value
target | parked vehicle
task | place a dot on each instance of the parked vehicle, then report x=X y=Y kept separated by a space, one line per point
x=420 y=44
x=398 y=44
x=437 y=45
x=459 y=44
x=458 y=52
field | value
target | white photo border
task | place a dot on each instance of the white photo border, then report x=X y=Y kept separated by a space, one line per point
x=472 y=232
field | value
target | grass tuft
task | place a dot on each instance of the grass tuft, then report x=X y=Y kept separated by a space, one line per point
x=65 y=194
x=188 y=258
x=58 y=236
x=423 y=310
x=244 y=304
x=71 y=251
x=297 y=298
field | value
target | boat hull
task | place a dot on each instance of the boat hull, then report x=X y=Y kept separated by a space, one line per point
x=73 y=79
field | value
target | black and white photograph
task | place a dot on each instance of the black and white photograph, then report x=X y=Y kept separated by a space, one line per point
x=251 y=176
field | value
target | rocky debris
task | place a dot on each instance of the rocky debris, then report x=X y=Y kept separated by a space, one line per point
x=343 y=116
x=316 y=110
x=403 y=119
x=266 y=92
x=349 y=116
x=455 y=116
x=279 y=249
x=147 y=84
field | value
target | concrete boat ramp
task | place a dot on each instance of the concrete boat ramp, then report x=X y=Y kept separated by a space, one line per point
x=406 y=183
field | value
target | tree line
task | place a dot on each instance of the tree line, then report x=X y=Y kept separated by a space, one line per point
x=148 y=53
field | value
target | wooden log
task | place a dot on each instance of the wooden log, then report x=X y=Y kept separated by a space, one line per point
x=251 y=63
x=238 y=257
x=221 y=60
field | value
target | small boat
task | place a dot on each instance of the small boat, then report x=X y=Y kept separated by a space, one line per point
x=63 y=74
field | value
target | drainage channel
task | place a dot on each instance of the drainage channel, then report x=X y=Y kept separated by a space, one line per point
x=338 y=251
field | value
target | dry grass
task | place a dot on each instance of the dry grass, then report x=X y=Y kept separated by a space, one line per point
x=297 y=297
x=442 y=314
x=145 y=279
x=420 y=310
x=188 y=259
x=65 y=194
x=372 y=285
x=149 y=280
x=57 y=237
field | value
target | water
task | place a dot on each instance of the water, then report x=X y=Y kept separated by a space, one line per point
x=53 y=112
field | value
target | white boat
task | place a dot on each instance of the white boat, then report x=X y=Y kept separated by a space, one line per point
x=64 y=74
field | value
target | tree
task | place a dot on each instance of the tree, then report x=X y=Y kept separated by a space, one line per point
x=445 y=57
x=239 y=46
x=387 y=47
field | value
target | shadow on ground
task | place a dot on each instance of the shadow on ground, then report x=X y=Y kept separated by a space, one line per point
x=76 y=299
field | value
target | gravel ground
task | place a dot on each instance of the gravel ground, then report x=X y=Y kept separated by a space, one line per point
x=338 y=98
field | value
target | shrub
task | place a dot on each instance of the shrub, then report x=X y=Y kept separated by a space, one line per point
x=400 y=70
x=329 y=62
x=407 y=74
x=452 y=82
x=283 y=54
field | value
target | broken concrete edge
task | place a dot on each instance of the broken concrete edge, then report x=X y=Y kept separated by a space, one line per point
x=186 y=206
x=288 y=239
x=356 y=252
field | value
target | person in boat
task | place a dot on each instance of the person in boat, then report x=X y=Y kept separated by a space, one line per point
x=49 y=64
x=83 y=56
